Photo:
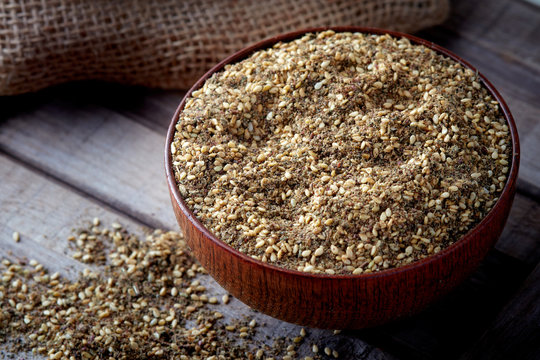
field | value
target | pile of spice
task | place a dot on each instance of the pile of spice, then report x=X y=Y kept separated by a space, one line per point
x=142 y=300
x=341 y=153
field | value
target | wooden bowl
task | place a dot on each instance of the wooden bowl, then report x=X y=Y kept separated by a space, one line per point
x=342 y=301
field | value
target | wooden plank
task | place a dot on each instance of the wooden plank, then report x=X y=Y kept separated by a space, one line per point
x=529 y=171
x=521 y=236
x=448 y=327
x=515 y=333
x=44 y=212
x=98 y=151
x=509 y=28
x=152 y=108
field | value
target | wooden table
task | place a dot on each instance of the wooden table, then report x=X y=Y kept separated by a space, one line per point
x=82 y=150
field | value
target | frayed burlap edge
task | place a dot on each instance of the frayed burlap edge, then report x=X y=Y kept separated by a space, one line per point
x=167 y=43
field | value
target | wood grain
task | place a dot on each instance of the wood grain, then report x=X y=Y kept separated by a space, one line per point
x=450 y=326
x=45 y=213
x=521 y=236
x=515 y=333
x=509 y=28
x=97 y=151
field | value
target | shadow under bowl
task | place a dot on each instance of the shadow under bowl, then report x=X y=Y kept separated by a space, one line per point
x=342 y=301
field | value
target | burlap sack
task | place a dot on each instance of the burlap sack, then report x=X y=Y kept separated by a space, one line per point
x=166 y=43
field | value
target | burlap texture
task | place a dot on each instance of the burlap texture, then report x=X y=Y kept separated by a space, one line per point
x=166 y=43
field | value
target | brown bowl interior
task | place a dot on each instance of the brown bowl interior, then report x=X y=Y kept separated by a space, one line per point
x=342 y=301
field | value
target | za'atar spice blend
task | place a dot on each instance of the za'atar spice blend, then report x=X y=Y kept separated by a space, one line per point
x=341 y=153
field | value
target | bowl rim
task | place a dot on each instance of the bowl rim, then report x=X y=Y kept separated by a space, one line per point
x=289 y=36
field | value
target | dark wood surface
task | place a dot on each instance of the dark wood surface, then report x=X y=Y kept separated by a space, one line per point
x=77 y=151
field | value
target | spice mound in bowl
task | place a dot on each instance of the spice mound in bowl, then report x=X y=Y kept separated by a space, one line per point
x=341 y=153
x=341 y=179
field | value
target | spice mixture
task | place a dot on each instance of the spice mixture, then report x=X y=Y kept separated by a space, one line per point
x=145 y=301
x=341 y=153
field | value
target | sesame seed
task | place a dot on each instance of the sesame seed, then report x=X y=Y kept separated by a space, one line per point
x=123 y=292
x=300 y=177
x=306 y=253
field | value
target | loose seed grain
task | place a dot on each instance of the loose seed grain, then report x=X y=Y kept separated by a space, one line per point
x=362 y=153
x=114 y=312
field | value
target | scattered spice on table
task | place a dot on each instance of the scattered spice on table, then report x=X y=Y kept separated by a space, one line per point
x=139 y=299
x=341 y=153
